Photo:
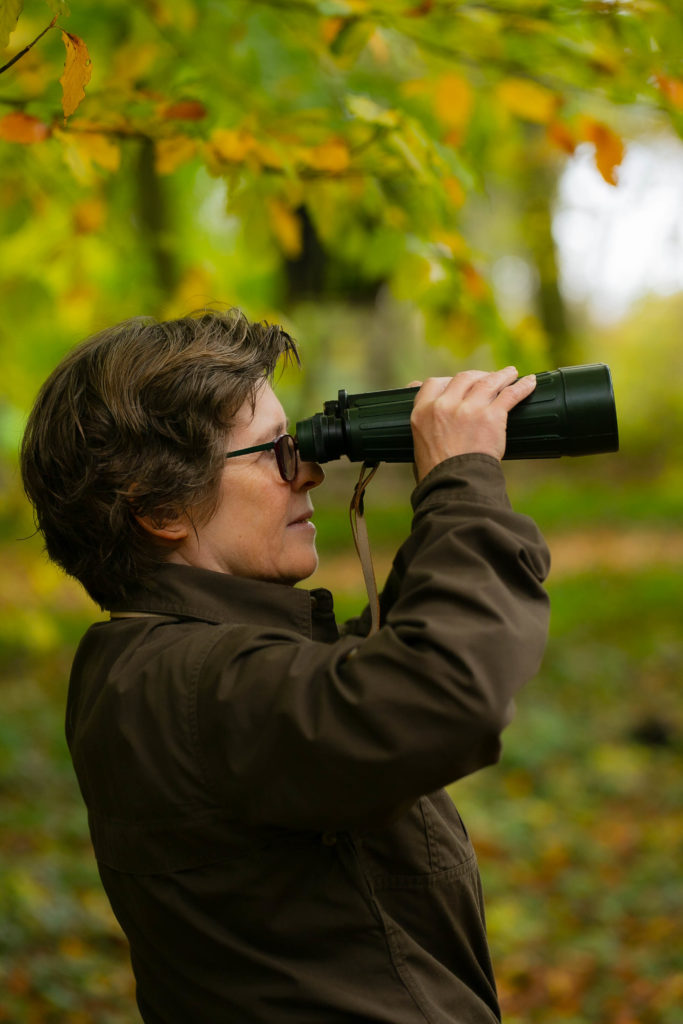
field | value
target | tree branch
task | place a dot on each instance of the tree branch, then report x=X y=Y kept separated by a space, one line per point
x=21 y=53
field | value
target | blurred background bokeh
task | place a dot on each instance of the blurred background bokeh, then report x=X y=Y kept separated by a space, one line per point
x=412 y=188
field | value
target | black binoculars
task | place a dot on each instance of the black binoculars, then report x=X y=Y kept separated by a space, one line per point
x=570 y=412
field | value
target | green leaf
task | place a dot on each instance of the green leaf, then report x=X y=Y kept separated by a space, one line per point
x=352 y=39
x=59 y=7
x=367 y=110
x=9 y=15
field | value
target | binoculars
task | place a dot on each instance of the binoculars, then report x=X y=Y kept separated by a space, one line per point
x=570 y=412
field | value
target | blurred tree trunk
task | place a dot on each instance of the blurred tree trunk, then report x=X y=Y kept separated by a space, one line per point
x=155 y=229
x=538 y=185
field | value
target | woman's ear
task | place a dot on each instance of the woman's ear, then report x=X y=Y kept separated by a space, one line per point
x=171 y=532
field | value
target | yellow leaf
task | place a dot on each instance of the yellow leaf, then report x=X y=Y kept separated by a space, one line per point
x=77 y=72
x=527 y=100
x=24 y=128
x=9 y=15
x=173 y=153
x=195 y=289
x=454 y=190
x=330 y=29
x=379 y=48
x=102 y=150
x=609 y=149
x=453 y=101
x=267 y=155
x=286 y=227
x=132 y=62
x=331 y=156
x=84 y=150
x=230 y=146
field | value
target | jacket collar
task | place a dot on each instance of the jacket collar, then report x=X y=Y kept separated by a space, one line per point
x=186 y=592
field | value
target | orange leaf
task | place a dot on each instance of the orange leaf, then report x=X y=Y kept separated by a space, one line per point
x=330 y=29
x=184 y=110
x=420 y=11
x=473 y=281
x=609 y=149
x=672 y=89
x=23 y=128
x=89 y=216
x=77 y=72
x=560 y=136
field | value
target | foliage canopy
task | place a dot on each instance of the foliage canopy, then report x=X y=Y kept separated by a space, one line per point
x=352 y=138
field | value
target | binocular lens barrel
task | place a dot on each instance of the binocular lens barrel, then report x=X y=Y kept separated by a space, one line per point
x=570 y=412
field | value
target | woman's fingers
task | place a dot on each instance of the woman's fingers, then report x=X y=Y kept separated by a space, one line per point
x=465 y=413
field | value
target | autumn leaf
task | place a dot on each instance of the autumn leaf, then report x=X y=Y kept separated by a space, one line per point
x=184 y=110
x=89 y=216
x=609 y=148
x=227 y=145
x=672 y=89
x=9 y=15
x=87 y=150
x=420 y=11
x=453 y=104
x=24 y=128
x=77 y=72
x=331 y=156
x=286 y=227
x=330 y=29
x=527 y=100
x=454 y=190
x=560 y=135
x=173 y=153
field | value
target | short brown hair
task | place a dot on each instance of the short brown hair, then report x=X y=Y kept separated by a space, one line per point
x=133 y=421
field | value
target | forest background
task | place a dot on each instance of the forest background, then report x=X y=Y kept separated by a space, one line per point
x=385 y=179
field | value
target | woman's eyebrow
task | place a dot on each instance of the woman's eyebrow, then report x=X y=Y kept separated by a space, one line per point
x=276 y=431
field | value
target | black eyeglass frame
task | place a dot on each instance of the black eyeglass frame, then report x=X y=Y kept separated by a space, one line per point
x=277 y=447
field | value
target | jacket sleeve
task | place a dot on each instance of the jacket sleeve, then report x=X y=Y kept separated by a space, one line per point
x=303 y=734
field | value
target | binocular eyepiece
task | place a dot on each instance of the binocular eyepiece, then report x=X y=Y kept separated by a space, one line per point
x=570 y=412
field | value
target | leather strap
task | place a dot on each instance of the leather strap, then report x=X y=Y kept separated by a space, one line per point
x=362 y=541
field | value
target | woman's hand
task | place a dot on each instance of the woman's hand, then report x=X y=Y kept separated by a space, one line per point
x=465 y=413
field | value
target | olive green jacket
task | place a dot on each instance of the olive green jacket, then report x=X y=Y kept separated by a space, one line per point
x=265 y=794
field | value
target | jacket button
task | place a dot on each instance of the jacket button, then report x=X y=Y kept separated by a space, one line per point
x=329 y=838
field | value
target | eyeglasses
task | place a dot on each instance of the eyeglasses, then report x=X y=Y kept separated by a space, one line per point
x=286 y=454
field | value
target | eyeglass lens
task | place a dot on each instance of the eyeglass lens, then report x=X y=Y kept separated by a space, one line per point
x=286 y=457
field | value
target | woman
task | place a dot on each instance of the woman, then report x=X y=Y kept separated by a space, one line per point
x=264 y=789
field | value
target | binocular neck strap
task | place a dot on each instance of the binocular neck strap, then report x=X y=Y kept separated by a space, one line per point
x=362 y=541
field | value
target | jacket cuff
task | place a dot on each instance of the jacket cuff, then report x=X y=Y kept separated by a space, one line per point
x=474 y=476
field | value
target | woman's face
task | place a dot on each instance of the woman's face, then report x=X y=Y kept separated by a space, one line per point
x=262 y=527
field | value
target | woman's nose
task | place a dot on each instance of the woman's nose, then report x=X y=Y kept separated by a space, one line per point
x=308 y=476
